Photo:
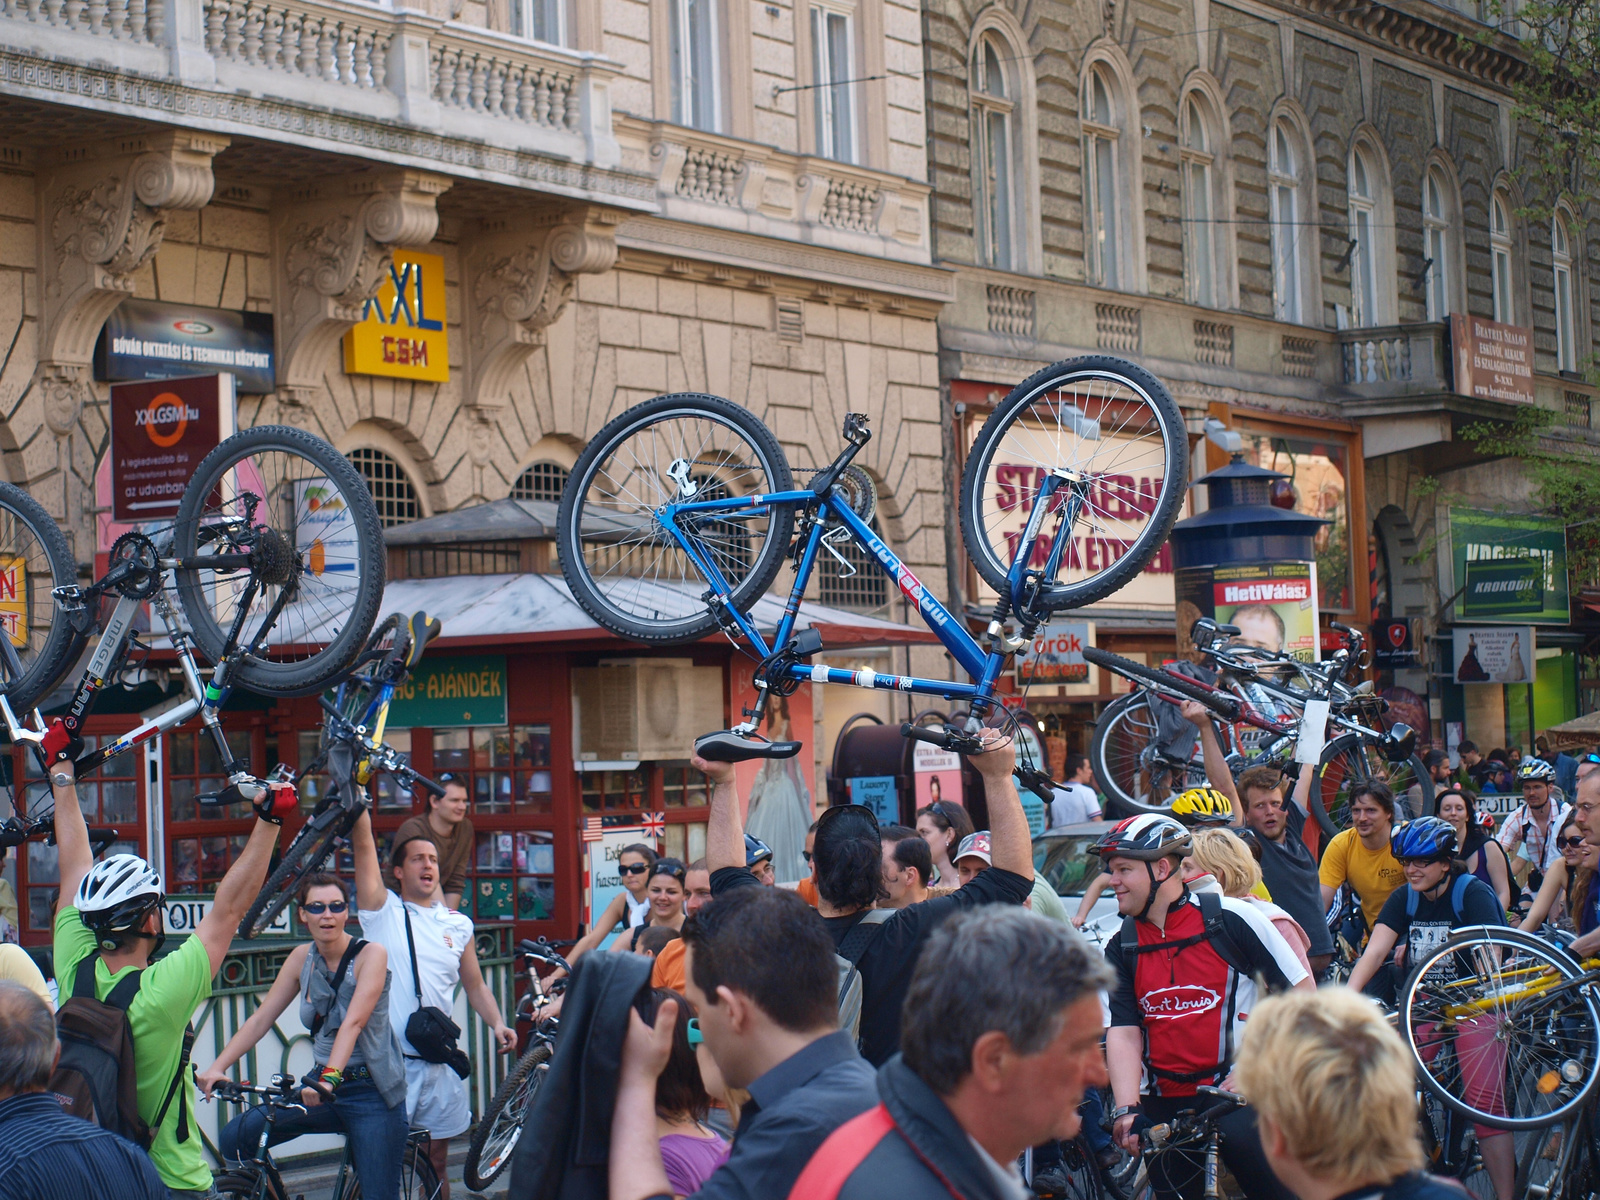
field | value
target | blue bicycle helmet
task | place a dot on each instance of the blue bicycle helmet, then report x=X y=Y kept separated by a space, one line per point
x=1426 y=837
x=755 y=850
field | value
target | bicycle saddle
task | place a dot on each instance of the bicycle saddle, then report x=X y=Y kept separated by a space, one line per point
x=727 y=746
x=423 y=630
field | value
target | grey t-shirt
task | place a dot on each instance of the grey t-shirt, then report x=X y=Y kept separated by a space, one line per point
x=1290 y=872
x=376 y=1048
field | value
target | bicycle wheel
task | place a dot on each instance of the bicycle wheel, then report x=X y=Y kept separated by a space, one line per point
x=1350 y=759
x=624 y=568
x=418 y=1180
x=1105 y=422
x=306 y=855
x=1503 y=1029
x=34 y=559
x=306 y=521
x=250 y=1183
x=1129 y=763
x=497 y=1131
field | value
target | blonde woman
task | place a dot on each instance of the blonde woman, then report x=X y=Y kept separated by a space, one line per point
x=1225 y=855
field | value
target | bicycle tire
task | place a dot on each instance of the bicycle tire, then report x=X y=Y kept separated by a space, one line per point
x=306 y=855
x=250 y=1183
x=980 y=479
x=1221 y=704
x=1357 y=754
x=49 y=653
x=1558 y=1023
x=635 y=622
x=335 y=615
x=493 y=1142
x=418 y=1179
x=1118 y=722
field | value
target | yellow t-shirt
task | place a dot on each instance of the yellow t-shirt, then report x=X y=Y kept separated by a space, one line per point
x=1372 y=873
x=18 y=966
x=169 y=991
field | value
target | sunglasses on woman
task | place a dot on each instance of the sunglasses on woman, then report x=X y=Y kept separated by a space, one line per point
x=1572 y=843
x=633 y=868
x=317 y=907
x=670 y=866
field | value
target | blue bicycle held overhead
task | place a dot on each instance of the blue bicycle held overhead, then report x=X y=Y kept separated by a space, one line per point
x=678 y=516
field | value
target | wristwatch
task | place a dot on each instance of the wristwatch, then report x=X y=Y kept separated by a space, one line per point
x=1118 y=1113
x=61 y=779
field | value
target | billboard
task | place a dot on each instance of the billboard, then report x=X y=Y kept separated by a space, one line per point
x=402 y=331
x=1494 y=655
x=146 y=339
x=159 y=433
x=1273 y=604
x=1492 y=360
x=1056 y=655
x=1508 y=590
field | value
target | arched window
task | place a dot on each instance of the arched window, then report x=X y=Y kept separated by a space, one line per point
x=1363 y=232
x=1200 y=255
x=1500 y=259
x=1283 y=184
x=542 y=481
x=692 y=46
x=1566 y=322
x=1101 y=186
x=391 y=487
x=993 y=130
x=1436 y=237
x=866 y=590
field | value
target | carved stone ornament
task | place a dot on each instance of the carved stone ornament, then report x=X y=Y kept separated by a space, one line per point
x=332 y=245
x=100 y=220
x=63 y=393
x=519 y=278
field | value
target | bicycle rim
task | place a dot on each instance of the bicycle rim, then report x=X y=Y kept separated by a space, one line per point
x=1128 y=762
x=1106 y=423
x=34 y=558
x=311 y=848
x=490 y=1153
x=1499 y=1032
x=1350 y=760
x=623 y=565
x=307 y=602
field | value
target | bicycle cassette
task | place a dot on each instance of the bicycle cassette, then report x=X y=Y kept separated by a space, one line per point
x=855 y=490
x=136 y=554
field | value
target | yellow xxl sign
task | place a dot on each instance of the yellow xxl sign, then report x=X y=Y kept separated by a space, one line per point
x=402 y=332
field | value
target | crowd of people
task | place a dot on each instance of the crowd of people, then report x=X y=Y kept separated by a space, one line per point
x=918 y=1014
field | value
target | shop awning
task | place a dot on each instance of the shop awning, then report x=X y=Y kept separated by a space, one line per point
x=530 y=609
x=1578 y=733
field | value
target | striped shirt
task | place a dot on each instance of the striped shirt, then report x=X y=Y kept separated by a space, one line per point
x=47 y=1155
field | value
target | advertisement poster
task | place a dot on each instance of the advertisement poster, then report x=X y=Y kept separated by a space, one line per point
x=937 y=773
x=1273 y=604
x=159 y=433
x=1394 y=645
x=603 y=880
x=146 y=339
x=877 y=792
x=1493 y=361
x=14 y=598
x=1489 y=555
x=402 y=331
x=1493 y=655
x=1056 y=656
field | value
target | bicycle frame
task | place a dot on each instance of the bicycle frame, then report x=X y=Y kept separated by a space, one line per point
x=983 y=667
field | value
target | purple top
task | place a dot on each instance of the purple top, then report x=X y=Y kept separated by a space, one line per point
x=690 y=1160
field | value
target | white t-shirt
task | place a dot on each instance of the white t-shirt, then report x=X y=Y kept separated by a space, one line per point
x=1074 y=802
x=442 y=936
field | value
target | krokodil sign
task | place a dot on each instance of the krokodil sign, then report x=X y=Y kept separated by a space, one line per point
x=1509 y=567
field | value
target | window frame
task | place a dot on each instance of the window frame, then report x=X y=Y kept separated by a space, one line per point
x=523 y=22
x=1564 y=292
x=1198 y=184
x=1105 y=226
x=687 y=83
x=404 y=474
x=996 y=192
x=528 y=470
x=1363 y=208
x=1437 y=212
x=1288 y=300
x=830 y=87
x=1502 y=261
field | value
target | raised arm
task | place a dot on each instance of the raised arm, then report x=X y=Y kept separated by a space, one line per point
x=237 y=891
x=1218 y=774
x=483 y=1001
x=1555 y=879
x=1010 y=839
x=725 y=827
x=369 y=874
x=1301 y=794
x=283 y=991
x=371 y=969
x=74 y=854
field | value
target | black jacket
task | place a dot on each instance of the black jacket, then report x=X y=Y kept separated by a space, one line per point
x=927 y=1156
x=569 y=1159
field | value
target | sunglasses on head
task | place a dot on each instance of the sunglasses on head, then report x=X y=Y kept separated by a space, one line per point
x=670 y=866
x=633 y=868
x=451 y=777
x=317 y=907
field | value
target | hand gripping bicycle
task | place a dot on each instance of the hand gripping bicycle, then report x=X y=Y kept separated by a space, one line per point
x=681 y=512
x=353 y=750
x=272 y=570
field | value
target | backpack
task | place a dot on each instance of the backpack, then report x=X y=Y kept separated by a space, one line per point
x=1458 y=897
x=95 y=1078
x=851 y=949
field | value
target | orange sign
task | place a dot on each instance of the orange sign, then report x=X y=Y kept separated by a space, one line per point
x=14 y=599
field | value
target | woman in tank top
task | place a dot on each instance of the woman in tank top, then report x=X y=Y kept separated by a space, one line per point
x=1484 y=856
x=357 y=1083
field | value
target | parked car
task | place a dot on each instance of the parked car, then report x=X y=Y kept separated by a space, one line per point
x=1066 y=858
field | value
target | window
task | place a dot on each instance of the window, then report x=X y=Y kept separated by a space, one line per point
x=1318 y=473
x=692 y=44
x=866 y=590
x=831 y=73
x=542 y=481
x=1436 y=243
x=541 y=20
x=1199 y=240
x=1561 y=261
x=1100 y=187
x=198 y=857
x=993 y=114
x=1363 y=252
x=391 y=487
x=1500 y=259
x=1283 y=185
x=507 y=769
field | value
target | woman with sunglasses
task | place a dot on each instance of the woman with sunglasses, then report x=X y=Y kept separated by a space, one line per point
x=630 y=909
x=358 y=1085
x=665 y=892
x=1560 y=895
x=1485 y=857
x=943 y=824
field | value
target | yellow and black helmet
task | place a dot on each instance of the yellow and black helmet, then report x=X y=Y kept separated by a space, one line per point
x=1203 y=806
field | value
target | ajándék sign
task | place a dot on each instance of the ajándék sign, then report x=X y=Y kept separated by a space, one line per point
x=402 y=331
x=146 y=339
x=444 y=691
x=159 y=433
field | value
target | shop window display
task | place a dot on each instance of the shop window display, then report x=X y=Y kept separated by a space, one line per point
x=205 y=840
x=1318 y=486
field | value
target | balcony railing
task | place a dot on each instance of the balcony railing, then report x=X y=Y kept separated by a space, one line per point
x=714 y=180
x=1396 y=359
x=340 y=58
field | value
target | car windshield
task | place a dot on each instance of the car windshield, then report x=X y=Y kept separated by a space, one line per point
x=1067 y=863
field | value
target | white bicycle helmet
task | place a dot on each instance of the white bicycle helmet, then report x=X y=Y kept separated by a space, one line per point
x=116 y=896
x=1535 y=770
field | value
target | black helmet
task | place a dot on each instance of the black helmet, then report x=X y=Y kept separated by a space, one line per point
x=755 y=850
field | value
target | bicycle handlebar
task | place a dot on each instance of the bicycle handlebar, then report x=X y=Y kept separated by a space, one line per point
x=281 y=1088
x=14 y=832
x=945 y=739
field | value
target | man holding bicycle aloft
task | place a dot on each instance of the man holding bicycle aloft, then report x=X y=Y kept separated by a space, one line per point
x=1185 y=967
